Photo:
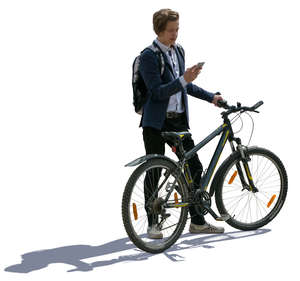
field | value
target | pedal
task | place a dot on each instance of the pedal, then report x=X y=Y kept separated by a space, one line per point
x=166 y=216
x=224 y=217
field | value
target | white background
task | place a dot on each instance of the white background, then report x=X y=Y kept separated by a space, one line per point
x=67 y=128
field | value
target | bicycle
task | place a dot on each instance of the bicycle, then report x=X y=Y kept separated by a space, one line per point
x=250 y=186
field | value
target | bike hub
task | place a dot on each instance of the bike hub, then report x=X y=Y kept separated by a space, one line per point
x=157 y=205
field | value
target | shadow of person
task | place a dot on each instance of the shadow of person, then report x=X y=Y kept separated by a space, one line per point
x=69 y=255
x=73 y=255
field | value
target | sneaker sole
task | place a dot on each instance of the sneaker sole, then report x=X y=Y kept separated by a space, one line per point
x=205 y=232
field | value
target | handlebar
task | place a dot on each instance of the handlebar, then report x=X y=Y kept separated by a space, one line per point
x=238 y=107
x=258 y=104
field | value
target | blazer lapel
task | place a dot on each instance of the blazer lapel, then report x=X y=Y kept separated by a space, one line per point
x=180 y=61
x=168 y=64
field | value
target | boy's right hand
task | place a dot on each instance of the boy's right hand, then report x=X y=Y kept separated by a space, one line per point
x=191 y=73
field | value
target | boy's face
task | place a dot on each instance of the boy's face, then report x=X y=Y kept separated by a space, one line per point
x=169 y=35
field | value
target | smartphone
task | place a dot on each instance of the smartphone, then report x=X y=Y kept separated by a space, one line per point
x=200 y=64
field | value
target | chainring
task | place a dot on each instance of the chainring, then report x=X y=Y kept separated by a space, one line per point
x=202 y=200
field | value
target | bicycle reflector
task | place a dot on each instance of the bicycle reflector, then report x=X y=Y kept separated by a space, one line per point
x=135 y=214
x=232 y=178
x=271 y=200
x=176 y=198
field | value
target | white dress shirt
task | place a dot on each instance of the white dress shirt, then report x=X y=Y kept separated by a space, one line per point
x=175 y=102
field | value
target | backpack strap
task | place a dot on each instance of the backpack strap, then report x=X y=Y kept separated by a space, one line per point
x=159 y=55
x=154 y=47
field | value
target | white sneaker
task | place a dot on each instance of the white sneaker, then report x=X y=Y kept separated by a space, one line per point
x=154 y=233
x=205 y=228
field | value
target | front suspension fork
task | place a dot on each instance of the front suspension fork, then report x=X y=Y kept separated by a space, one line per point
x=245 y=159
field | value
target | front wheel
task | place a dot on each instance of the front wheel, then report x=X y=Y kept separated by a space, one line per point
x=251 y=210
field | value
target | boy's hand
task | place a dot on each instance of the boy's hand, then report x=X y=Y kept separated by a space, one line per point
x=216 y=99
x=191 y=73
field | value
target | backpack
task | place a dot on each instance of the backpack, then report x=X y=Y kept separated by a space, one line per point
x=138 y=84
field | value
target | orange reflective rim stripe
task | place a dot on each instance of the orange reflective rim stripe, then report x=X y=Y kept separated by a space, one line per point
x=135 y=214
x=232 y=177
x=271 y=200
x=176 y=198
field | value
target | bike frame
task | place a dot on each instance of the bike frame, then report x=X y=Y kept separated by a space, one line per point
x=226 y=135
x=225 y=131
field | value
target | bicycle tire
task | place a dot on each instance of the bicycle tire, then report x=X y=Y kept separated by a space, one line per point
x=263 y=158
x=140 y=239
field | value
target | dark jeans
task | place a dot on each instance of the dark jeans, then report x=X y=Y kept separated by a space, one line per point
x=155 y=144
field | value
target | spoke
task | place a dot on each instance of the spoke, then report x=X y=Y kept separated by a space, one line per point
x=277 y=186
x=258 y=162
x=267 y=179
x=233 y=187
x=140 y=226
x=262 y=170
x=271 y=184
x=139 y=196
x=261 y=204
x=257 y=208
x=241 y=211
x=237 y=203
x=247 y=208
x=237 y=197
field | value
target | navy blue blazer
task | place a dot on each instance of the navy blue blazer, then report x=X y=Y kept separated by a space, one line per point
x=161 y=88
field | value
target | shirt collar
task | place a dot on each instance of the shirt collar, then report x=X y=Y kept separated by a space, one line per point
x=162 y=46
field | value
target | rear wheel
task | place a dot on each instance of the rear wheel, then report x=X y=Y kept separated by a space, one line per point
x=143 y=204
x=250 y=210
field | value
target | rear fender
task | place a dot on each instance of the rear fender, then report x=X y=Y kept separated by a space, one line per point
x=145 y=158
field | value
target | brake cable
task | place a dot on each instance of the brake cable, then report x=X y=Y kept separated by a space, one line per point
x=238 y=116
x=252 y=127
x=234 y=119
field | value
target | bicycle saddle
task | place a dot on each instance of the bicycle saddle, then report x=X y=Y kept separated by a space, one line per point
x=173 y=136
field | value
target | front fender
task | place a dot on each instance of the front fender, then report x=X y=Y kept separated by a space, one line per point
x=145 y=158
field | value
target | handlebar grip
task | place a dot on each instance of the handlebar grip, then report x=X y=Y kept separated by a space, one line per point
x=223 y=103
x=257 y=105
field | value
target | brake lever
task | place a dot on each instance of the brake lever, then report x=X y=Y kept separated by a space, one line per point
x=253 y=110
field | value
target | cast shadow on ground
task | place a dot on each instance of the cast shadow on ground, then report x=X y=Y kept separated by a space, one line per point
x=73 y=255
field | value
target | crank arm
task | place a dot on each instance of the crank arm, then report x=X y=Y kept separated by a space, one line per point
x=222 y=217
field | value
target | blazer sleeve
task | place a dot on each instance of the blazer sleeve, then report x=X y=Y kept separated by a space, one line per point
x=199 y=93
x=150 y=71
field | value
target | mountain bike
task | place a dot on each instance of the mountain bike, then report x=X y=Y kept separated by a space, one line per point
x=250 y=186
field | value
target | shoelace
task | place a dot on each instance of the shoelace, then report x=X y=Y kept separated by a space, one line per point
x=211 y=227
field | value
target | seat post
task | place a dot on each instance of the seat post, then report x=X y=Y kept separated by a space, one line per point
x=179 y=149
x=176 y=138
